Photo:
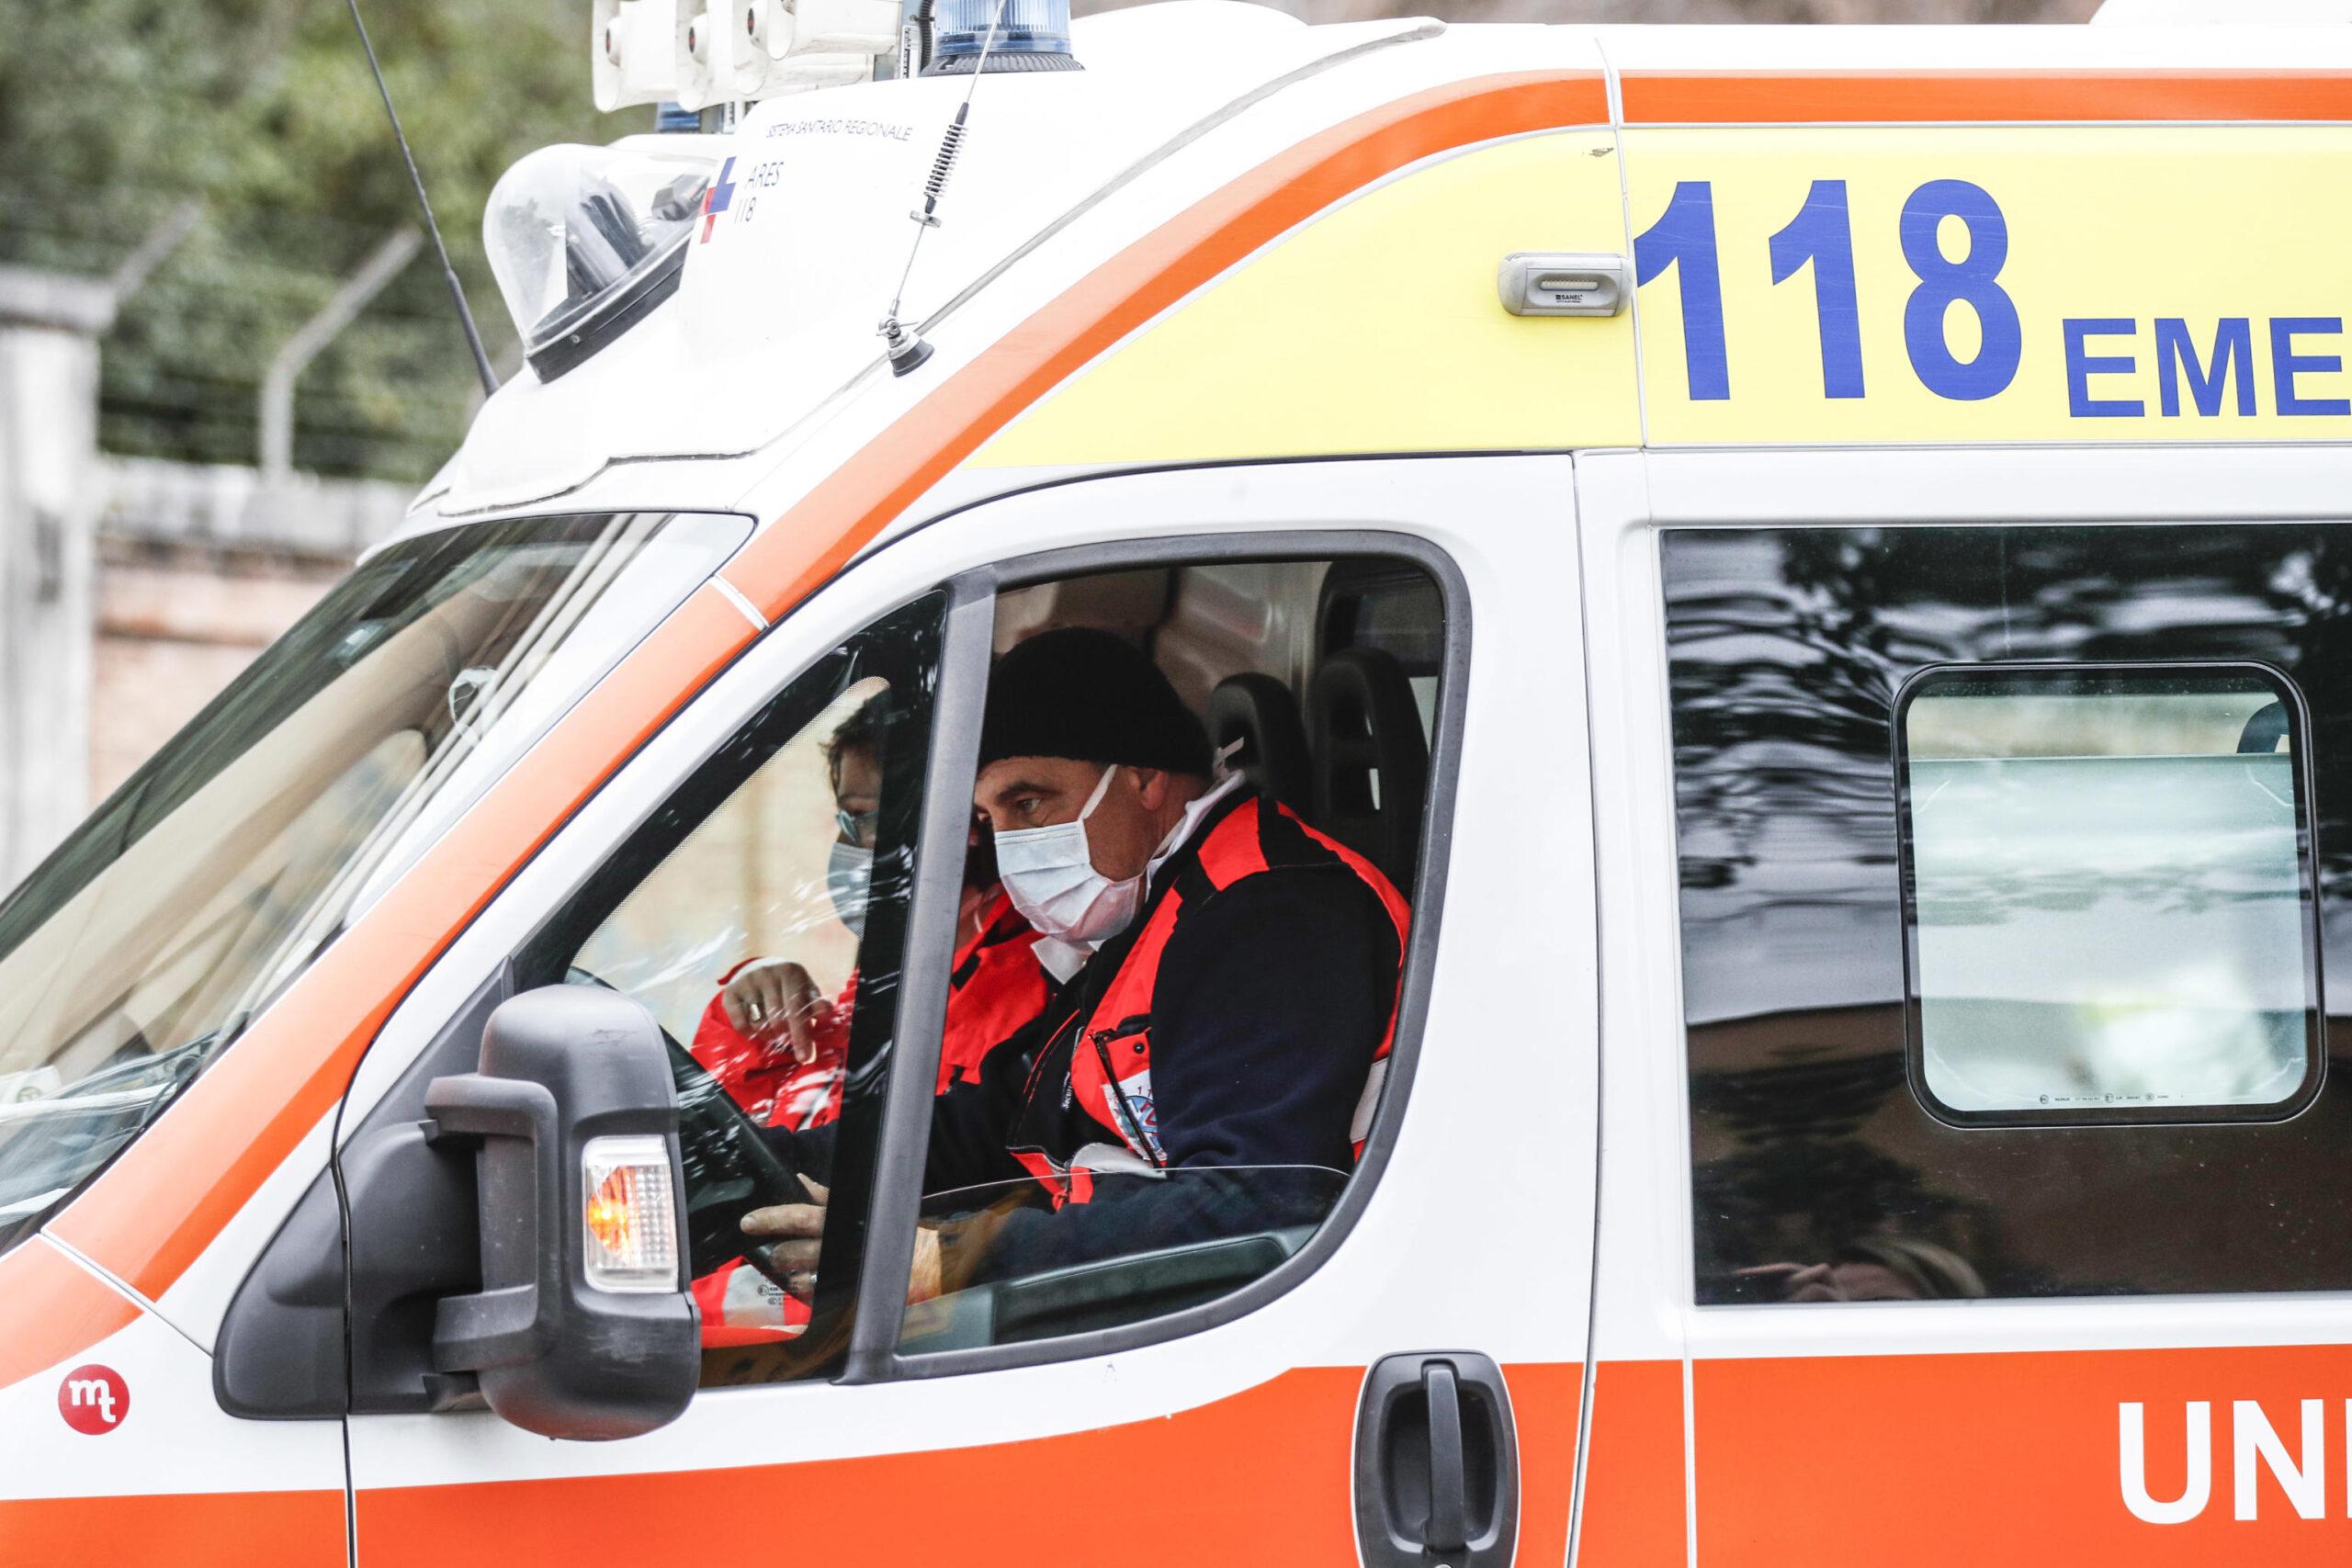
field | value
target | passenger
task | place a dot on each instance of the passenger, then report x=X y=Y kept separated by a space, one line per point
x=1231 y=1021
x=778 y=1047
x=773 y=1041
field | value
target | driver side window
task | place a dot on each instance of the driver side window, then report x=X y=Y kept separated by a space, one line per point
x=743 y=915
x=1172 y=942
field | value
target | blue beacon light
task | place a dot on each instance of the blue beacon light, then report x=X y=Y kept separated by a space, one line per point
x=1033 y=35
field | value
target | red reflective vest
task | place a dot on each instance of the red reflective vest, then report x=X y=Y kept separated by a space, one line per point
x=1110 y=1073
x=995 y=986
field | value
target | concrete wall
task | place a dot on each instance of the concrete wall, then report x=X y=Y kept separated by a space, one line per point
x=49 y=327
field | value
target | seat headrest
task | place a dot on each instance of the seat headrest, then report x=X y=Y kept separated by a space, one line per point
x=1371 y=762
x=1260 y=711
x=2264 y=729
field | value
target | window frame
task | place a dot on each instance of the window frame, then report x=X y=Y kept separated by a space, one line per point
x=875 y=1354
x=965 y=651
x=2283 y=688
x=878 y=1031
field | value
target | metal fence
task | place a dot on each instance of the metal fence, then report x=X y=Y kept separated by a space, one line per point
x=186 y=363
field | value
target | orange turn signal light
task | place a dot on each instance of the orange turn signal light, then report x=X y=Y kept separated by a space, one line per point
x=630 y=1215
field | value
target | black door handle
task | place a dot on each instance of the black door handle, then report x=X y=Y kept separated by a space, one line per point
x=1449 y=1526
x=1437 y=1463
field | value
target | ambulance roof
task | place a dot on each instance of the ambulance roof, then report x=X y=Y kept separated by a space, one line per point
x=773 y=332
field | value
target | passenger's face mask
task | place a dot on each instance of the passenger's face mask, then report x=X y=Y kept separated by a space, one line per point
x=1049 y=875
x=849 y=872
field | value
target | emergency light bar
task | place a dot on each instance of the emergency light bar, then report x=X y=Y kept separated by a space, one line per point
x=700 y=52
x=1031 y=35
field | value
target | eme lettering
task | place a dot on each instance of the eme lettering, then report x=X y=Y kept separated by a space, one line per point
x=2218 y=373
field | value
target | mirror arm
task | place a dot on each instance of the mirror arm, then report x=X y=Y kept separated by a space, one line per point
x=503 y=1325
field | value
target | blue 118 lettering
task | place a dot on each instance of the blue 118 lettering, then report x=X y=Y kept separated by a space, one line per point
x=1822 y=236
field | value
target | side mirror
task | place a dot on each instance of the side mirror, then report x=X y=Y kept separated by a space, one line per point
x=583 y=1328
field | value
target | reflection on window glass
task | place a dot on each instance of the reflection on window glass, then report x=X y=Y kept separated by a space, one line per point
x=1123 y=1284
x=2111 y=892
x=224 y=867
x=749 y=892
x=743 y=942
x=758 y=914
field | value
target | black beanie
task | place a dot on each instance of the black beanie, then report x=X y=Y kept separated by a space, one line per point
x=1085 y=694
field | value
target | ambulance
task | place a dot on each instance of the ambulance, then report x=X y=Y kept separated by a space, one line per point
x=1818 y=562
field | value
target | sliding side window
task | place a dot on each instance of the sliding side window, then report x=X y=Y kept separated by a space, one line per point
x=2110 y=894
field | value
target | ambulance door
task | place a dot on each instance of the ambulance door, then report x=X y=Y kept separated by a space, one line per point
x=1983 y=1191
x=1383 y=1363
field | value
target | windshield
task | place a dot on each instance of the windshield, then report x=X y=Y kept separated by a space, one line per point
x=220 y=869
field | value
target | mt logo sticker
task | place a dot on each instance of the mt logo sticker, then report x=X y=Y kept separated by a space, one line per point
x=94 y=1399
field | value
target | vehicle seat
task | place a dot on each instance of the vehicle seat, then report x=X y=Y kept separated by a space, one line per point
x=1372 y=762
x=2264 y=730
x=1260 y=711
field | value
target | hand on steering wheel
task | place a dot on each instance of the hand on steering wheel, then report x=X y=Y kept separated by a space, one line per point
x=791 y=1260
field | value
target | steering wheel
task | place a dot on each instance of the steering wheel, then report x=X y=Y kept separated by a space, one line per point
x=731 y=1168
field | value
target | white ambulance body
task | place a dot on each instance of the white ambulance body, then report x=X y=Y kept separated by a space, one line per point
x=1819 y=561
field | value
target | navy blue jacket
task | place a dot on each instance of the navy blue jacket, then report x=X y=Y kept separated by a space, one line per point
x=1272 y=998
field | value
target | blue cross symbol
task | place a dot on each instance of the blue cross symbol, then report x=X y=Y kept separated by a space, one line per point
x=718 y=198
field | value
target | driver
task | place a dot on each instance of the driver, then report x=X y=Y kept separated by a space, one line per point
x=1231 y=1021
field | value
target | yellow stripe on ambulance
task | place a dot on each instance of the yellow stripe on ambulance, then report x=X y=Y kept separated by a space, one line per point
x=1802 y=287
x=1373 y=329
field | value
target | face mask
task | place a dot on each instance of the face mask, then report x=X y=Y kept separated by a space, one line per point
x=849 y=871
x=1049 y=875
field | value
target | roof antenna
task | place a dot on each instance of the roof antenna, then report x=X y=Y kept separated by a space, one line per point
x=456 y=290
x=907 y=349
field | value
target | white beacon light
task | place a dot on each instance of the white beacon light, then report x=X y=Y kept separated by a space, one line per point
x=584 y=241
x=630 y=1214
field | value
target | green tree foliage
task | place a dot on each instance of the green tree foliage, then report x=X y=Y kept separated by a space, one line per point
x=113 y=111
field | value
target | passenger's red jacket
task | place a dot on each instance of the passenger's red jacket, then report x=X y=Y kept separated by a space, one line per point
x=994 y=988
